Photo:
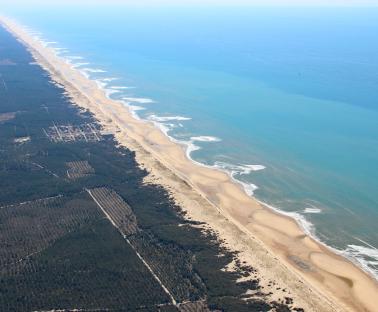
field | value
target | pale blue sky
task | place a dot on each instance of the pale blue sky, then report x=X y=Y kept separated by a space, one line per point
x=195 y=2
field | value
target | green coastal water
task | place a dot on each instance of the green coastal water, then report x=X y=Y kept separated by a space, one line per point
x=284 y=100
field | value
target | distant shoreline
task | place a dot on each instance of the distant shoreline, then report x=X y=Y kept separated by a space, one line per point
x=303 y=265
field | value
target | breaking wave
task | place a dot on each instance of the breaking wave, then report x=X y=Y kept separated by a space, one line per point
x=312 y=210
x=138 y=100
x=167 y=118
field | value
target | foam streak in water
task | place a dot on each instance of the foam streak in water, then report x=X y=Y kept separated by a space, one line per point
x=204 y=138
x=167 y=118
x=236 y=170
x=93 y=70
x=312 y=210
x=138 y=100
x=79 y=64
x=121 y=87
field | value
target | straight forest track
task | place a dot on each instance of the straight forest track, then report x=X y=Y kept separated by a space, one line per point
x=137 y=253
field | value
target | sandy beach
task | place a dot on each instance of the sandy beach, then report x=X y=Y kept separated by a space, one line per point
x=289 y=262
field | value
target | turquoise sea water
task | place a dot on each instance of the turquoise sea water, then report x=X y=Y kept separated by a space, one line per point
x=285 y=100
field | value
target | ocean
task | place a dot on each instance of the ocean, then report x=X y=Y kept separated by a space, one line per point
x=283 y=99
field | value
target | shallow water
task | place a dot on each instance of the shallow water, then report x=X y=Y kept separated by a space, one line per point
x=284 y=100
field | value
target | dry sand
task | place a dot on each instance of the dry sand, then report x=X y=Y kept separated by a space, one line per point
x=303 y=269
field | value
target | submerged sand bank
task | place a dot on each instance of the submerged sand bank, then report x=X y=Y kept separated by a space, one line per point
x=315 y=277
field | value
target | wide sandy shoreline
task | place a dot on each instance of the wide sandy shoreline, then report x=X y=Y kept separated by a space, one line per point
x=315 y=277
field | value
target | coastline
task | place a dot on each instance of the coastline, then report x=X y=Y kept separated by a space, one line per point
x=271 y=241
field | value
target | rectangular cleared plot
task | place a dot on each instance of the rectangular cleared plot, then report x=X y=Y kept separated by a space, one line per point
x=79 y=169
x=116 y=209
x=196 y=306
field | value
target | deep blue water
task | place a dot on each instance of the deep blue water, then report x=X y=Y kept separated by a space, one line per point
x=294 y=90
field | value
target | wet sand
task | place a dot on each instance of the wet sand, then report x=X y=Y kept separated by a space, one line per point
x=314 y=276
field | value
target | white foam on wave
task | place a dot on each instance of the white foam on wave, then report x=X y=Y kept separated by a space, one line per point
x=121 y=87
x=44 y=42
x=85 y=74
x=167 y=118
x=134 y=109
x=364 y=256
x=60 y=49
x=255 y=167
x=33 y=33
x=306 y=226
x=164 y=127
x=249 y=188
x=74 y=57
x=93 y=70
x=204 y=138
x=238 y=169
x=138 y=100
x=159 y=122
x=79 y=64
x=312 y=210
x=137 y=108
x=109 y=92
x=102 y=83
x=191 y=147
x=49 y=43
x=38 y=38
x=109 y=79
x=234 y=170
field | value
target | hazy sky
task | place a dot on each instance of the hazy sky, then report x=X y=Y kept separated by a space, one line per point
x=195 y=2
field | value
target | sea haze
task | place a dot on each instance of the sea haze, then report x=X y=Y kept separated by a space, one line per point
x=285 y=100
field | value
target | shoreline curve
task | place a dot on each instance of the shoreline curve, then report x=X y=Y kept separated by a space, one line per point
x=334 y=280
